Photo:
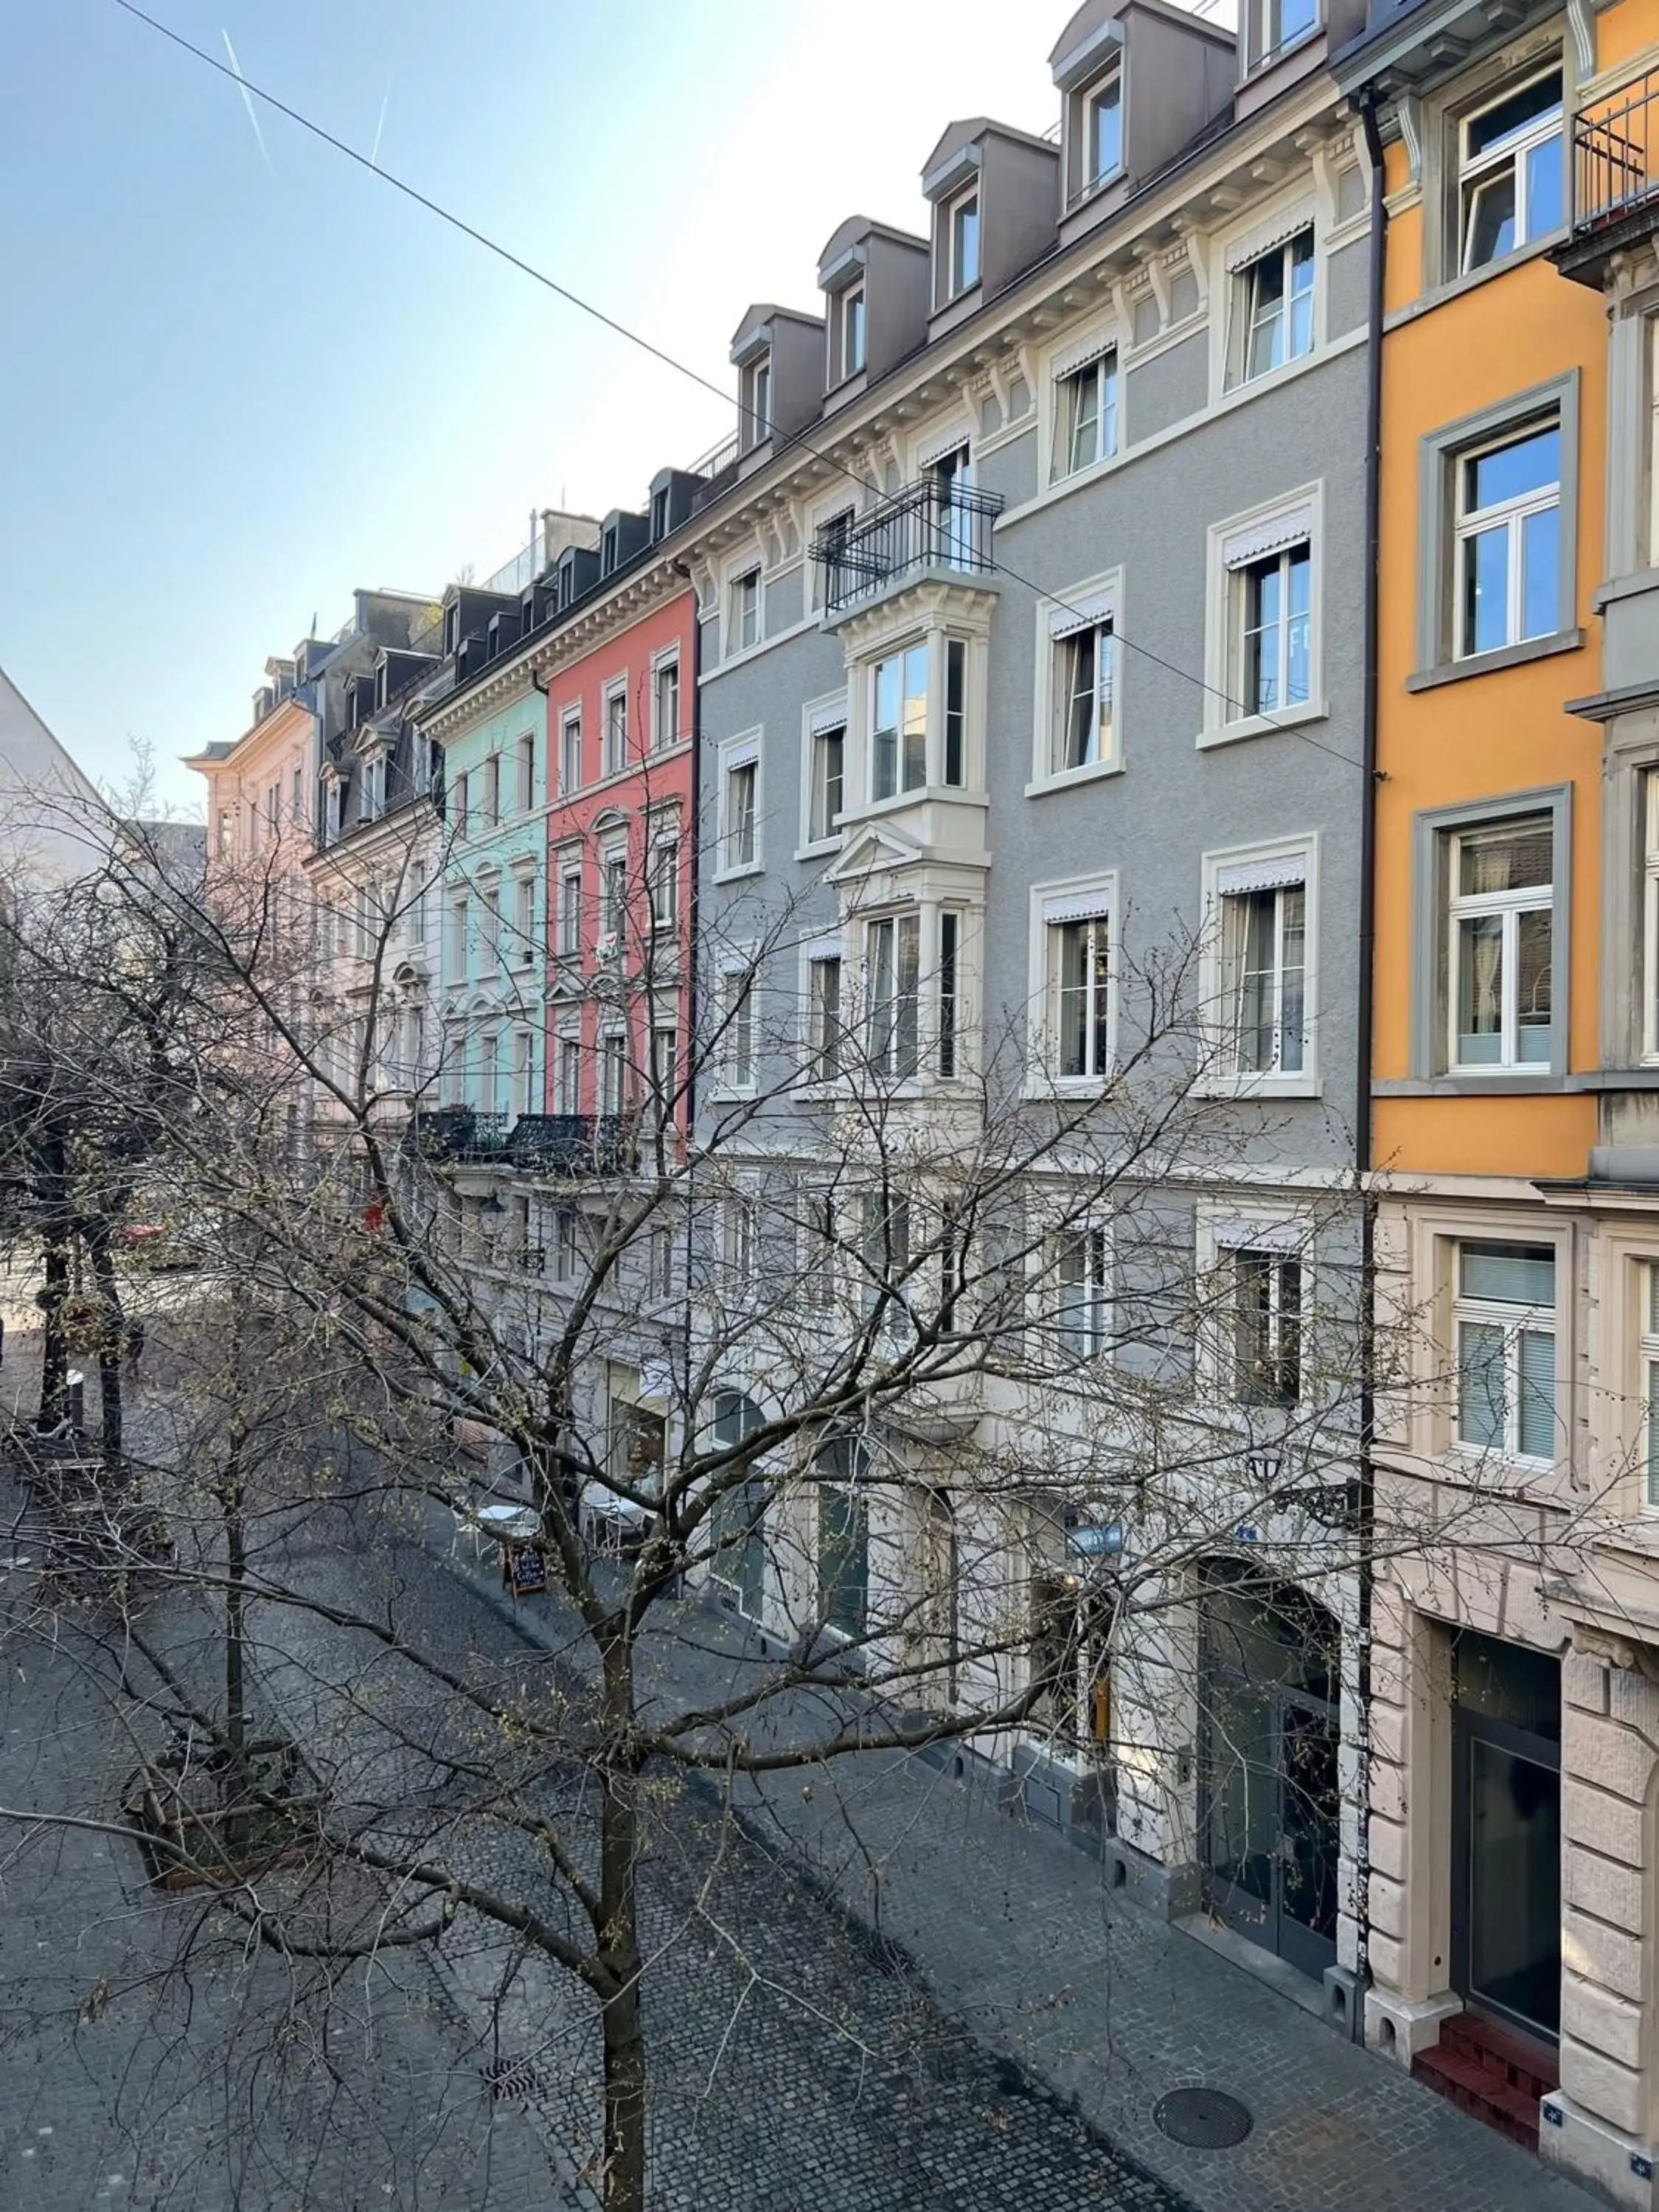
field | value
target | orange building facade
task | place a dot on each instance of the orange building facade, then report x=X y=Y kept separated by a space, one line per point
x=1513 y=1750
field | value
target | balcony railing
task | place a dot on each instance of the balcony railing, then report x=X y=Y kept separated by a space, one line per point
x=928 y=524
x=541 y=1144
x=1614 y=149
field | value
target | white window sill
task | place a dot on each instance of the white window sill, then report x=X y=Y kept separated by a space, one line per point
x=1074 y=479
x=1263 y=725
x=1069 y=1086
x=923 y=795
x=1494 y=1455
x=732 y=1094
x=1067 y=779
x=1303 y=1085
x=1235 y=387
x=817 y=848
x=737 y=874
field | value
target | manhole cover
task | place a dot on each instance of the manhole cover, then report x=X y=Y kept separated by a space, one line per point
x=1204 y=2120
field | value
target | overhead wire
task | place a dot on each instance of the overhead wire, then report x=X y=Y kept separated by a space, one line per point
x=797 y=444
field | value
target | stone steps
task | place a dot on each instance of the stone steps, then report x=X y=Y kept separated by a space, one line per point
x=1492 y=2073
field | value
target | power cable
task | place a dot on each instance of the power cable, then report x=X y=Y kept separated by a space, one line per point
x=683 y=368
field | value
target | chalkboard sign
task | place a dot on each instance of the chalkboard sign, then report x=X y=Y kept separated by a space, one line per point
x=526 y=1568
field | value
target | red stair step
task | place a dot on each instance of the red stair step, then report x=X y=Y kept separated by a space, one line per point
x=1529 y=2065
x=1481 y=2091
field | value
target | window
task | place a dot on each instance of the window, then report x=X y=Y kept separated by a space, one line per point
x=455 y=950
x=898 y=743
x=852 y=330
x=1275 y=304
x=950 y=930
x=1511 y=172
x=616 y=731
x=489 y=1071
x=738 y=1240
x=1072 y=1629
x=464 y=805
x=297 y=795
x=1083 y=688
x=737 y=1522
x=567 y=1074
x=665 y=1072
x=524 y=921
x=826 y=789
x=226 y=837
x=527 y=772
x=893 y=959
x=757 y=401
x=962 y=234
x=823 y=1033
x=843 y=1546
x=666 y=703
x=664 y=884
x=1266 y=1329
x=745 y=611
x=884 y=1248
x=956 y=713
x=492 y=790
x=613 y=1072
x=1502 y=926
x=739 y=828
x=830 y=574
x=613 y=895
x=1264 y=965
x=523 y=1067
x=570 y=753
x=490 y=950
x=1102 y=125
x=1277 y=24
x=1077 y=951
x=817 y=1244
x=1504 y=1312
x=1651 y=915
x=1509 y=541
x=660 y=1261
x=1085 y=415
x=566 y=1244
x=1078 y=1260
x=738 y=1030
x=1274 y=597
x=567 y=920
x=1650 y=1350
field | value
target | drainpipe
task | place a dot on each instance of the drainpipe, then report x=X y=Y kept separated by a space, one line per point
x=693 y=895
x=1366 y=1487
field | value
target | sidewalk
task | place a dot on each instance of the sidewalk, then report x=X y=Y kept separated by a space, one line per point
x=1018 y=1938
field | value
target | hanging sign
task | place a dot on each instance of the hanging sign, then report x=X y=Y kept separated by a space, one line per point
x=526 y=1570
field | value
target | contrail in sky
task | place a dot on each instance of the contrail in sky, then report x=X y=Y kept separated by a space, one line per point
x=247 y=100
x=374 y=153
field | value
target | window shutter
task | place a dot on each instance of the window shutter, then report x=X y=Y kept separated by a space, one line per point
x=1239 y=877
x=832 y=717
x=1293 y=527
x=1537 y=1436
x=1266 y=235
x=1080 y=354
x=1089 y=612
x=1076 y=905
x=745 y=753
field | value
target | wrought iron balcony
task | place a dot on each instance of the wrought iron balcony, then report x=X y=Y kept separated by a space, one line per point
x=1615 y=178
x=540 y=1144
x=930 y=523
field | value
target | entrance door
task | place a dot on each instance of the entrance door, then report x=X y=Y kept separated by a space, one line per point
x=1506 y=1834
x=1270 y=1794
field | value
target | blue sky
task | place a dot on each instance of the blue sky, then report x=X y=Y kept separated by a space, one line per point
x=235 y=386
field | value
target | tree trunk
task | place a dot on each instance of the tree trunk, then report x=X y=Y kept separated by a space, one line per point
x=110 y=1336
x=54 y=1353
x=622 y=2014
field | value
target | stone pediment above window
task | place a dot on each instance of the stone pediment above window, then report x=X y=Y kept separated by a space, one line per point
x=873 y=850
x=568 y=989
x=609 y=818
x=412 y=974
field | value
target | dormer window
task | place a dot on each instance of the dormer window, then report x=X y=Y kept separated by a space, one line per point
x=1102 y=125
x=608 y=550
x=658 y=515
x=1275 y=25
x=961 y=243
x=852 y=330
x=757 y=401
x=451 y=627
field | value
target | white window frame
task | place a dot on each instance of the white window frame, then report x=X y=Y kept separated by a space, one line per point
x=613 y=897
x=738 y=1239
x=956 y=283
x=521 y=1075
x=1092 y=177
x=1101 y=371
x=568 y=1070
x=1508 y=907
x=821 y=718
x=738 y=754
x=566 y=1244
x=757 y=401
x=1266 y=41
x=1475 y=174
x=901 y=652
x=1287 y=1324
x=739 y=1042
x=1248 y=317
x=1055 y=906
x=888 y=1039
x=614 y=726
x=1647 y=1347
x=664 y=873
x=568 y=908
x=1517 y=1321
x=570 y=752
x=1512 y=516
x=524 y=764
x=612 y=1072
x=1058 y=619
x=1651 y=915
x=853 y=360
x=665 y=671
x=1234 y=545
x=490 y=936
x=1070 y=1342
x=1223 y=1077
x=744 y=604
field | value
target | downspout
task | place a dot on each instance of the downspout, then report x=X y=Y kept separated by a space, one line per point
x=694 y=871
x=1365 y=1486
